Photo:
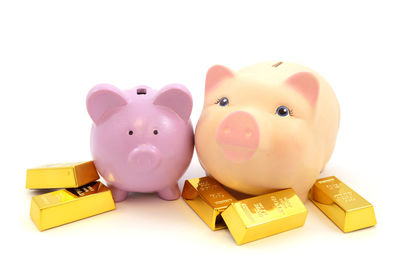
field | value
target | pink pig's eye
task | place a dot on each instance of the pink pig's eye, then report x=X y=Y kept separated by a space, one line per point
x=130 y=132
x=155 y=131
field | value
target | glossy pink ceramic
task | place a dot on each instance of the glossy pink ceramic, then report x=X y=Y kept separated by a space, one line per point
x=142 y=139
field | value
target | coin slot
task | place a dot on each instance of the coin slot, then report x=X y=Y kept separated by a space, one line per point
x=277 y=64
x=141 y=91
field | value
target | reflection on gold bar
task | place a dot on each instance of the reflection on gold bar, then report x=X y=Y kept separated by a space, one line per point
x=65 y=175
x=265 y=215
x=68 y=205
x=208 y=199
x=348 y=210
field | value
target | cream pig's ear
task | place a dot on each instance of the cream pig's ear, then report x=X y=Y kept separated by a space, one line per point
x=306 y=84
x=103 y=98
x=215 y=75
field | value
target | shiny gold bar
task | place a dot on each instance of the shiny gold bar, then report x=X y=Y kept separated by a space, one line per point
x=348 y=210
x=67 y=175
x=208 y=199
x=258 y=217
x=68 y=205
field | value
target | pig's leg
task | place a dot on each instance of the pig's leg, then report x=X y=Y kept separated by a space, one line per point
x=118 y=194
x=170 y=193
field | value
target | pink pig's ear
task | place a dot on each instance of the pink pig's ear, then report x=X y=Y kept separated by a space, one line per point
x=215 y=75
x=101 y=99
x=306 y=84
x=177 y=98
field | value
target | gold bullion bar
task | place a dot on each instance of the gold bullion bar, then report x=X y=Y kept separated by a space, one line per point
x=347 y=209
x=64 y=175
x=68 y=205
x=258 y=217
x=208 y=199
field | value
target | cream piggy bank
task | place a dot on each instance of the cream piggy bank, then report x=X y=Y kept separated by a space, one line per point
x=269 y=126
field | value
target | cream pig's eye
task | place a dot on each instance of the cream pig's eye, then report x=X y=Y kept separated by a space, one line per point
x=223 y=101
x=283 y=111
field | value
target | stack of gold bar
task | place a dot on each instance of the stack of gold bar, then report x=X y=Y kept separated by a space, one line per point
x=82 y=194
x=348 y=210
x=249 y=219
x=261 y=216
x=208 y=199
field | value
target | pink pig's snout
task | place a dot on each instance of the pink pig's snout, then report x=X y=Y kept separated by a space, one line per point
x=144 y=158
x=238 y=136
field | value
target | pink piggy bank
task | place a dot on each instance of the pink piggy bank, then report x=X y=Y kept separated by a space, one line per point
x=141 y=139
x=267 y=127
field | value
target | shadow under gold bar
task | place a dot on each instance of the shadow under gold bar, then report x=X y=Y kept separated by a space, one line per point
x=258 y=217
x=66 y=175
x=208 y=199
x=348 y=210
x=68 y=205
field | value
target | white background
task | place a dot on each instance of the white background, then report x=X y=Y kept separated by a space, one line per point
x=52 y=53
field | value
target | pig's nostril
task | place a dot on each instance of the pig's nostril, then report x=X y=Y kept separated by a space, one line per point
x=248 y=133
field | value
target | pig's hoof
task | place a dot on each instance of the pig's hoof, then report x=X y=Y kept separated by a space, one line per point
x=118 y=195
x=170 y=193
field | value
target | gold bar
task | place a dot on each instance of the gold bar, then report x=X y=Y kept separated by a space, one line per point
x=208 y=199
x=348 y=210
x=67 y=175
x=68 y=205
x=258 y=217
